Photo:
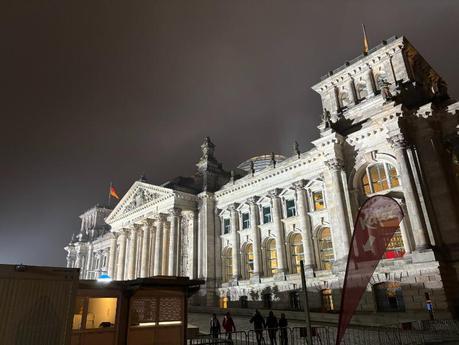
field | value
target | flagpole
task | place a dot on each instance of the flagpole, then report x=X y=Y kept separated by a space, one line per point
x=109 y=194
x=306 y=305
x=365 y=40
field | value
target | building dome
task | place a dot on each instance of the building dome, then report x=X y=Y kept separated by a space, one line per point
x=259 y=162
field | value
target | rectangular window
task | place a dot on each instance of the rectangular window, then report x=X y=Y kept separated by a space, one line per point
x=318 y=199
x=291 y=208
x=266 y=214
x=226 y=226
x=245 y=221
x=101 y=312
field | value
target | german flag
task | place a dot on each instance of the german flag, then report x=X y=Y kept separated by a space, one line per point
x=113 y=192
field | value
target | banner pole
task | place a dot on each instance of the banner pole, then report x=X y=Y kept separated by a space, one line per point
x=306 y=305
x=109 y=194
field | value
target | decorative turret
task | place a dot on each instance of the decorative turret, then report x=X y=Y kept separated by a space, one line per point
x=209 y=169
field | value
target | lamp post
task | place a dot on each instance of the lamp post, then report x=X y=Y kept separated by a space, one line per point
x=306 y=305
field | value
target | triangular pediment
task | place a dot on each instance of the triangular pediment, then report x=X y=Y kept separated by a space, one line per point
x=140 y=196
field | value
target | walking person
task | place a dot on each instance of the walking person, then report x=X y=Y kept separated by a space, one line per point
x=258 y=326
x=283 y=324
x=271 y=325
x=228 y=325
x=214 y=326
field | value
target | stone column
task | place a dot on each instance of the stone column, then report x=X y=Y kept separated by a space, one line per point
x=174 y=215
x=131 y=253
x=399 y=146
x=111 y=260
x=152 y=248
x=305 y=225
x=351 y=90
x=369 y=81
x=144 y=261
x=78 y=259
x=121 y=256
x=87 y=269
x=278 y=229
x=334 y=100
x=235 y=246
x=159 y=245
x=254 y=222
x=339 y=220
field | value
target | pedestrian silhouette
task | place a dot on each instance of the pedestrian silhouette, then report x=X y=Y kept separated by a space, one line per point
x=258 y=326
x=271 y=325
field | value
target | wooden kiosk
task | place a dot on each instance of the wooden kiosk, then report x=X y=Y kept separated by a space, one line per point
x=145 y=311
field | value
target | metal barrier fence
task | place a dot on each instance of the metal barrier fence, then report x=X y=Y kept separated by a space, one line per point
x=449 y=326
x=325 y=336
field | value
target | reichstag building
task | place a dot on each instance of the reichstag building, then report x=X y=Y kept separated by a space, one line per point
x=388 y=127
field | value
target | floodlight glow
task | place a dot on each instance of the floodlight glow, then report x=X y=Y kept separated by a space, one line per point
x=104 y=278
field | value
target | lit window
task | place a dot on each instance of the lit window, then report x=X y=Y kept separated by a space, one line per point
x=271 y=255
x=226 y=226
x=327 y=300
x=249 y=260
x=395 y=248
x=291 y=208
x=326 y=254
x=227 y=265
x=245 y=221
x=380 y=177
x=296 y=249
x=389 y=297
x=318 y=199
x=101 y=312
x=266 y=214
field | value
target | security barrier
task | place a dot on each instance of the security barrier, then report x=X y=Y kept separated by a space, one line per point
x=327 y=336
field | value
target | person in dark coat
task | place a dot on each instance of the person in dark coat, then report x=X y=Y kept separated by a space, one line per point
x=258 y=326
x=228 y=325
x=271 y=325
x=283 y=324
x=214 y=326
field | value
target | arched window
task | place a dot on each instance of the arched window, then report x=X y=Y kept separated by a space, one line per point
x=325 y=245
x=389 y=297
x=271 y=256
x=248 y=253
x=297 y=252
x=227 y=265
x=379 y=177
x=395 y=248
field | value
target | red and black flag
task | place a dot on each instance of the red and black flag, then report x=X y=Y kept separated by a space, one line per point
x=377 y=221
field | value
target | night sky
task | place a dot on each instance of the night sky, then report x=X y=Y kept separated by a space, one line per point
x=100 y=91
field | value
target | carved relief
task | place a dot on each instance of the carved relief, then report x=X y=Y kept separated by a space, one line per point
x=140 y=198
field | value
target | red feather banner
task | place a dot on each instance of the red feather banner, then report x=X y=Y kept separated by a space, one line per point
x=377 y=221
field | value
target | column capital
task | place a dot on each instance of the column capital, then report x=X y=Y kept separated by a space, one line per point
x=233 y=207
x=175 y=211
x=335 y=164
x=147 y=223
x=161 y=217
x=123 y=232
x=299 y=185
x=274 y=193
x=398 y=141
x=253 y=200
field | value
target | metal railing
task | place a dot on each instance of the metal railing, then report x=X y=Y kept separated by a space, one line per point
x=327 y=336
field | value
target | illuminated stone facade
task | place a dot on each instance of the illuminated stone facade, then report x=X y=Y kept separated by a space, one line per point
x=388 y=127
